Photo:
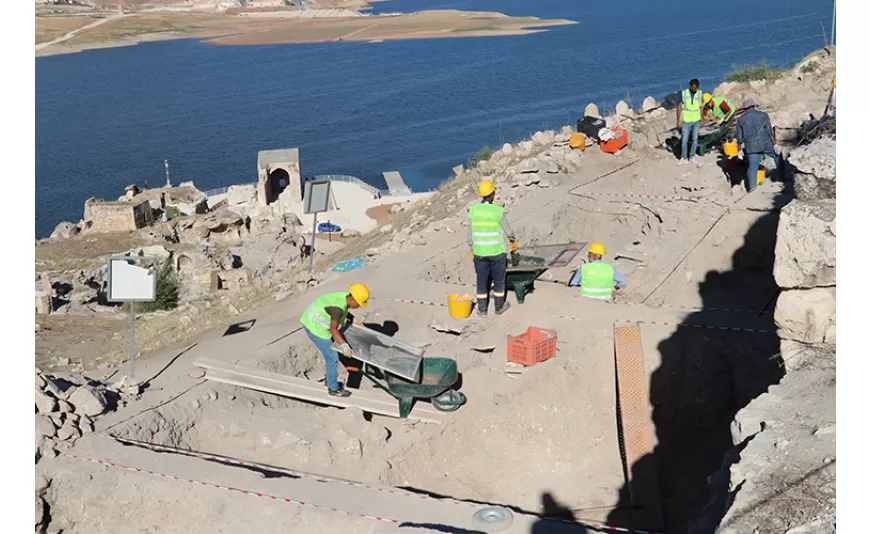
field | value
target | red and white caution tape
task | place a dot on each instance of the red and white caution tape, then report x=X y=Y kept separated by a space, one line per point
x=232 y=489
x=663 y=306
x=406 y=301
x=694 y=308
x=321 y=478
x=637 y=195
x=665 y=323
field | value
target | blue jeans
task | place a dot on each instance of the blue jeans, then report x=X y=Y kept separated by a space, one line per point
x=694 y=128
x=330 y=356
x=754 y=162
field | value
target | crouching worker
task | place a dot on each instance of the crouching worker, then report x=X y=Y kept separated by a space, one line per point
x=598 y=280
x=323 y=320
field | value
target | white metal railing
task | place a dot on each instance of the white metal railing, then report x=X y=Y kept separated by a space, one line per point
x=222 y=190
x=353 y=180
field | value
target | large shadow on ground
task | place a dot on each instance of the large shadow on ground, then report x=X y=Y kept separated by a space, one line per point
x=704 y=378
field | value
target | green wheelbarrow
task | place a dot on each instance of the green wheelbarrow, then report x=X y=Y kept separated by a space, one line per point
x=709 y=136
x=437 y=378
x=528 y=264
x=401 y=370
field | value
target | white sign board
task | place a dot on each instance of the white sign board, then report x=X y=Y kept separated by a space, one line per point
x=316 y=196
x=129 y=282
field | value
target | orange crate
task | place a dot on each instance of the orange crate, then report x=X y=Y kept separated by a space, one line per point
x=613 y=145
x=535 y=346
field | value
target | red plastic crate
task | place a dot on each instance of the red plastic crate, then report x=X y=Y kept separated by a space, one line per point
x=535 y=346
x=613 y=145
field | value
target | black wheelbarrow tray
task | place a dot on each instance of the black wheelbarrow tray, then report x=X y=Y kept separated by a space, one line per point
x=404 y=373
x=528 y=264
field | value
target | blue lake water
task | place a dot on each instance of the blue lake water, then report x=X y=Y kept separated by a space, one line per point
x=108 y=118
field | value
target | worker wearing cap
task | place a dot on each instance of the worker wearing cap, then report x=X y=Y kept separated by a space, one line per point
x=596 y=278
x=756 y=134
x=717 y=109
x=487 y=230
x=689 y=119
x=322 y=322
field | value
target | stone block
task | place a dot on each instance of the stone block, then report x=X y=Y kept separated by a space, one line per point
x=592 y=111
x=807 y=315
x=815 y=170
x=806 y=245
x=241 y=194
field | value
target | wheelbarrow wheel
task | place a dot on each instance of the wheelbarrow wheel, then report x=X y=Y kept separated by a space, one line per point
x=449 y=401
x=492 y=519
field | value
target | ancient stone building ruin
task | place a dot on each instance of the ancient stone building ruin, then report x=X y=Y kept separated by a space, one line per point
x=278 y=170
x=102 y=216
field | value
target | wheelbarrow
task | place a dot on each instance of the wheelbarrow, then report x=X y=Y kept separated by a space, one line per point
x=401 y=370
x=709 y=136
x=437 y=378
x=528 y=264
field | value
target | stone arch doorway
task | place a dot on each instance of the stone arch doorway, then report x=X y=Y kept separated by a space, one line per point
x=279 y=179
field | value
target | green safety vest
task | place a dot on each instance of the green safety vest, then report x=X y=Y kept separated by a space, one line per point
x=692 y=106
x=315 y=318
x=597 y=281
x=717 y=100
x=487 y=237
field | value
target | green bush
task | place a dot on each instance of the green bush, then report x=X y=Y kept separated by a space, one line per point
x=759 y=71
x=809 y=68
x=482 y=155
x=168 y=288
x=171 y=212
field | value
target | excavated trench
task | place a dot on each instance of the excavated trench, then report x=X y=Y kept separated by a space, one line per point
x=520 y=438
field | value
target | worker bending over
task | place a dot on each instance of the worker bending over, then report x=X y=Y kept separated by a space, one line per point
x=756 y=135
x=689 y=120
x=717 y=109
x=596 y=278
x=487 y=230
x=323 y=321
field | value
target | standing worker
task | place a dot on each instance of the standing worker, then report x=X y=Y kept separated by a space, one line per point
x=756 y=134
x=487 y=229
x=717 y=109
x=322 y=322
x=689 y=119
x=596 y=278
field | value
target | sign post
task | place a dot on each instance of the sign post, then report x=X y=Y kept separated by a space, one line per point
x=315 y=200
x=131 y=284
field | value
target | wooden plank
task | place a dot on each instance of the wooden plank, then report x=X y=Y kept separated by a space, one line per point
x=375 y=402
x=636 y=425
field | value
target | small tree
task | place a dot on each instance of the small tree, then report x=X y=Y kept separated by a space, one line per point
x=168 y=289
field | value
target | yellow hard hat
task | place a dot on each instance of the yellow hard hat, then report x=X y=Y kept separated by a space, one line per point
x=597 y=248
x=486 y=188
x=360 y=293
x=707 y=97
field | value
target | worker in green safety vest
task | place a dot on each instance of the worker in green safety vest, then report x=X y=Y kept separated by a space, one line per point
x=487 y=230
x=322 y=322
x=717 y=109
x=598 y=280
x=689 y=120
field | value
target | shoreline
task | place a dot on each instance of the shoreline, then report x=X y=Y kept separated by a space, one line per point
x=231 y=30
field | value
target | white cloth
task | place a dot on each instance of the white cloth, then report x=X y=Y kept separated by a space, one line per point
x=606 y=134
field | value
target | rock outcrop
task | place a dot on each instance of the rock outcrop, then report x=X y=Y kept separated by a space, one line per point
x=785 y=439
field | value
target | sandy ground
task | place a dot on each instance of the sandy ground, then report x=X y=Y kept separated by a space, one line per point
x=49 y=28
x=245 y=30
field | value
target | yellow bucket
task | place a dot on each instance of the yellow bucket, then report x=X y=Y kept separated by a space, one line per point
x=760 y=176
x=578 y=141
x=459 y=305
x=731 y=149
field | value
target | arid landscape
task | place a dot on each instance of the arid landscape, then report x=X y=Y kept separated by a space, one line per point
x=55 y=33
